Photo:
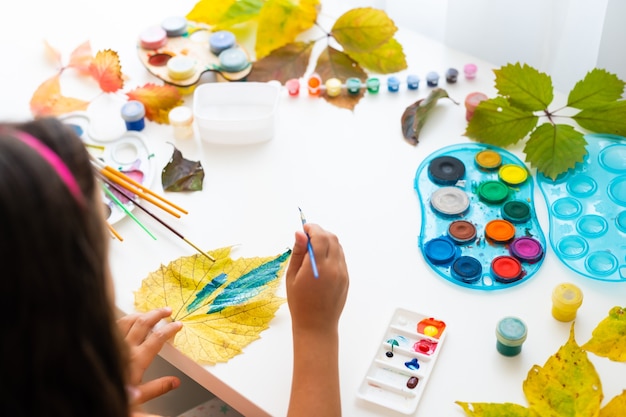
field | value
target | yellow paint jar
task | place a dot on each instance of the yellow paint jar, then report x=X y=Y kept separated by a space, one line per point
x=566 y=299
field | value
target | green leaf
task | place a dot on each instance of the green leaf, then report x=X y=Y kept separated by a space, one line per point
x=567 y=385
x=607 y=118
x=495 y=410
x=524 y=86
x=289 y=61
x=332 y=63
x=615 y=407
x=415 y=116
x=554 y=149
x=209 y=11
x=180 y=174
x=496 y=122
x=608 y=339
x=363 y=30
x=388 y=58
x=597 y=88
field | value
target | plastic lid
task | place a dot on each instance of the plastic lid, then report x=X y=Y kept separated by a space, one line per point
x=440 y=251
x=516 y=211
x=568 y=295
x=493 y=192
x=487 y=159
x=511 y=331
x=174 y=26
x=452 y=75
x=333 y=87
x=470 y=71
x=499 y=230
x=467 y=269
x=526 y=249
x=513 y=174
x=450 y=201
x=181 y=67
x=432 y=78
x=180 y=115
x=221 y=40
x=233 y=60
x=133 y=110
x=153 y=38
x=446 y=170
x=462 y=231
x=506 y=269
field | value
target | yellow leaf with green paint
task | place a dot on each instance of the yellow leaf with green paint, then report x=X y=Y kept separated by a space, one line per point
x=608 y=339
x=495 y=410
x=224 y=304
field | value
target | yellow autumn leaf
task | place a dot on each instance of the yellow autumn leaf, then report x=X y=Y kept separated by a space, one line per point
x=223 y=305
x=209 y=11
x=495 y=410
x=608 y=339
x=107 y=71
x=616 y=407
x=47 y=100
x=158 y=100
x=363 y=30
x=567 y=385
x=281 y=21
x=386 y=59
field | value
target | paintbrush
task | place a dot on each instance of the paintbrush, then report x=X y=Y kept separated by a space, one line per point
x=309 y=246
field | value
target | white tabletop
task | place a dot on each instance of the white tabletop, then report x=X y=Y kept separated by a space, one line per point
x=351 y=172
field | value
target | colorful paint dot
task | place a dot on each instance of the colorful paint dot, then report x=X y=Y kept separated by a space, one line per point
x=506 y=269
x=513 y=174
x=412 y=382
x=413 y=364
x=488 y=159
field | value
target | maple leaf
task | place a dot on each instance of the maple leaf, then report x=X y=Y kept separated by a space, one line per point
x=223 y=305
x=81 y=58
x=415 y=116
x=158 y=100
x=107 y=71
x=283 y=64
x=47 y=100
x=608 y=339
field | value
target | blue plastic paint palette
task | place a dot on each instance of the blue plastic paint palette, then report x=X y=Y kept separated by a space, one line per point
x=405 y=359
x=479 y=228
x=587 y=210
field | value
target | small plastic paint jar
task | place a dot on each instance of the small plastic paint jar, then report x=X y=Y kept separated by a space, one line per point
x=353 y=85
x=511 y=333
x=181 y=120
x=513 y=174
x=488 y=159
x=446 y=170
x=393 y=84
x=372 y=85
x=466 y=269
x=233 y=60
x=472 y=100
x=506 y=269
x=526 y=249
x=492 y=192
x=462 y=231
x=450 y=201
x=412 y=82
x=181 y=67
x=470 y=71
x=440 y=251
x=220 y=41
x=314 y=85
x=516 y=211
x=174 y=26
x=499 y=231
x=133 y=113
x=452 y=74
x=293 y=87
x=333 y=87
x=566 y=299
x=432 y=79
x=153 y=38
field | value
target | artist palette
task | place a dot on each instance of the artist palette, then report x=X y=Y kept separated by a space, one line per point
x=404 y=361
x=128 y=153
x=479 y=228
x=587 y=210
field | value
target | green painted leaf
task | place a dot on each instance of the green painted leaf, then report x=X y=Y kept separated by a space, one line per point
x=180 y=174
x=333 y=63
x=616 y=407
x=524 y=86
x=554 y=149
x=608 y=339
x=289 y=61
x=415 y=116
x=495 y=410
x=498 y=123
x=567 y=385
x=598 y=87
x=363 y=30
x=608 y=118
x=386 y=59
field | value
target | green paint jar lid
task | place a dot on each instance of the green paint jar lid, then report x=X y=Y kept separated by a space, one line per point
x=511 y=333
x=516 y=211
x=493 y=192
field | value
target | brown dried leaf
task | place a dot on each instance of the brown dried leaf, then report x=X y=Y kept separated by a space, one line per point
x=290 y=61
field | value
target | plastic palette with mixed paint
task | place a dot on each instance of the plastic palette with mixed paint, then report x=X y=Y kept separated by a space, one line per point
x=587 y=210
x=479 y=227
x=397 y=376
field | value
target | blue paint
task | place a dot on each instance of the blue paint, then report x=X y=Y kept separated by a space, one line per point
x=412 y=364
x=441 y=251
x=393 y=84
x=133 y=113
x=412 y=82
x=466 y=269
x=207 y=290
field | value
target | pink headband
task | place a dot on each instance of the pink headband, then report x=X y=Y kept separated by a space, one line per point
x=55 y=162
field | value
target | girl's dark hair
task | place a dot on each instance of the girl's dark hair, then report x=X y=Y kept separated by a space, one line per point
x=62 y=353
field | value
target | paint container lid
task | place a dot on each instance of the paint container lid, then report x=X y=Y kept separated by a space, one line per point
x=466 y=269
x=353 y=85
x=393 y=84
x=452 y=74
x=133 y=110
x=174 y=26
x=516 y=211
x=470 y=71
x=293 y=86
x=526 y=249
x=511 y=332
x=493 y=192
x=499 y=230
x=450 y=201
x=180 y=116
x=333 y=87
x=440 y=251
x=432 y=79
x=153 y=38
x=220 y=41
x=566 y=299
x=462 y=231
x=233 y=60
x=373 y=85
x=181 y=67
x=446 y=170
x=412 y=82
x=513 y=174
x=506 y=269
x=488 y=159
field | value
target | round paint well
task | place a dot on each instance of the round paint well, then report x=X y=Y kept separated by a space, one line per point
x=493 y=192
x=462 y=231
x=488 y=159
x=450 y=201
x=601 y=263
x=566 y=299
x=572 y=247
x=446 y=170
x=620 y=221
x=592 y=225
x=566 y=208
x=506 y=269
x=581 y=186
x=440 y=251
x=466 y=269
x=513 y=174
x=617 y=190
x=526 y=249
x=516 y=211
x=613 y=158
x=499 y=230
x=511 y=332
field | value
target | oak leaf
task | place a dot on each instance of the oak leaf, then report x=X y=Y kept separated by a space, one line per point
x=158 y=100
x=47 y=100
x=107 y=71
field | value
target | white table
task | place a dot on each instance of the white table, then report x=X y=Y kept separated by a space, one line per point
x=351 y=172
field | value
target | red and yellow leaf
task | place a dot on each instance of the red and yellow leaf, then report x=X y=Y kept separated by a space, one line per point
x=158 y=100
x=81 y=58
x=47 y=100
x=107 y=71
x=53 y=54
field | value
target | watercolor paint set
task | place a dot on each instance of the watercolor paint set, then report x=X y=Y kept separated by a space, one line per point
x=479 y=227
x=587 y=210
x=404 y=361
